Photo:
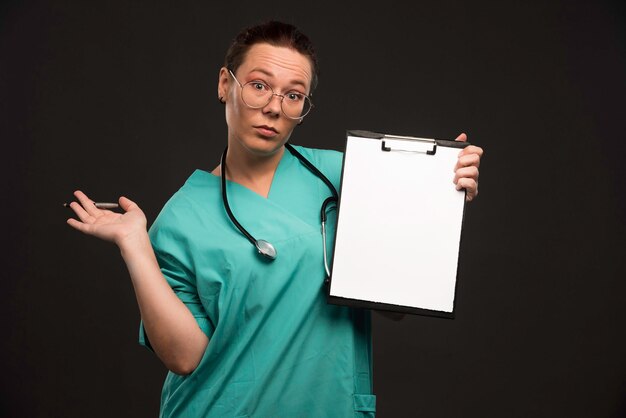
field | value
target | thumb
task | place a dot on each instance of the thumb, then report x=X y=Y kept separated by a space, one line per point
x=461 y=138
x=127 y=204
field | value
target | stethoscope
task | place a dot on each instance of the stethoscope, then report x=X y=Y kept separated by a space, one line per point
x=265 y=248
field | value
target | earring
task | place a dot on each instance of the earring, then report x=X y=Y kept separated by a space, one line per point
x=221 y=99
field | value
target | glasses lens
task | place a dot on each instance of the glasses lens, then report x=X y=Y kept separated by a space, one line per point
x=296 y=105
x=256 y=94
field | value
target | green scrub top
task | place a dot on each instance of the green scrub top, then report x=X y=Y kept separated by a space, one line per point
x=276 y=347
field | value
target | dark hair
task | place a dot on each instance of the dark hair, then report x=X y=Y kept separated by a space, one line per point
x=274 y=33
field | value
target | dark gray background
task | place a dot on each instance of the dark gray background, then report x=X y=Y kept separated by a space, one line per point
x=119 y=97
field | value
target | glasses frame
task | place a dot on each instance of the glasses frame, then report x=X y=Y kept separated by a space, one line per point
x=271 y=97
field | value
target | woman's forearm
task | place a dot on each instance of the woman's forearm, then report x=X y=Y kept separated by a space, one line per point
x=173 y=331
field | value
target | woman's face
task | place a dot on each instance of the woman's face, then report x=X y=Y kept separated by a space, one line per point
x=265 y=130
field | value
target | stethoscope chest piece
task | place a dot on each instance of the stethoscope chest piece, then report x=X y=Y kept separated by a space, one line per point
x=266 y=249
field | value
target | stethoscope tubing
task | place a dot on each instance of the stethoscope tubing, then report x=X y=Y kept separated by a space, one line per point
x=265 y=248
x=227 y=206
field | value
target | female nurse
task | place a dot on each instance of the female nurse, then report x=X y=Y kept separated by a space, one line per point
x=230 y=277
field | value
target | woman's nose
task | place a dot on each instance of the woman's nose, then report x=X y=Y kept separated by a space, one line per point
x=274 y=105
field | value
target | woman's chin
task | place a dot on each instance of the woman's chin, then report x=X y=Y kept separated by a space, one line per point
x=264 y=147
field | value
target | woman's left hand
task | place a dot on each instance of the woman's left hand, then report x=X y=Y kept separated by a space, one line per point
x=466 y=169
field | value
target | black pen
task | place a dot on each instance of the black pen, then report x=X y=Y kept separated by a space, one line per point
x=100 y=205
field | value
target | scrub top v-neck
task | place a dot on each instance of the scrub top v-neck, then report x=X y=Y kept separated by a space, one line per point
x=276 y=348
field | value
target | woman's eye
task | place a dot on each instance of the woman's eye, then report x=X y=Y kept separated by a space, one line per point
x=294 y=96
x=259 y=86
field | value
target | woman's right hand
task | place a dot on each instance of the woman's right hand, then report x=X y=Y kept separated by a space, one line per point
x=120 y=228
x=173 y=331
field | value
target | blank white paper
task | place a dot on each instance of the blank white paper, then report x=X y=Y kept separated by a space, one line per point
x=399 y=227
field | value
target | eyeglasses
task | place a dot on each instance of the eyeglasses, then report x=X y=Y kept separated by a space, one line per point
x=256 y=94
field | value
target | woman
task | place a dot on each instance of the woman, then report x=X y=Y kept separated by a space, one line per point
x=243 y=334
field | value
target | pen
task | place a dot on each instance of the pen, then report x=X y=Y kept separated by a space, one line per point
x=100 y=205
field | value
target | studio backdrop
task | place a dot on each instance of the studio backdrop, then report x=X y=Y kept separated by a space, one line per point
x=120 y=98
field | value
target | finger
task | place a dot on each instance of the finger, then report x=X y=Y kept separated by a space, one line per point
x=471 y=195
x=467 y=161
x=461 y=138
x=466 y=172
x=81 y=213
x=470 y=186
x=84 y=228
x=472 y=149
x=467 y=183
x=87 y=203
x=127 y=204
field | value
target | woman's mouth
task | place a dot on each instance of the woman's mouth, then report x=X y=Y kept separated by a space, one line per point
x=266 y=131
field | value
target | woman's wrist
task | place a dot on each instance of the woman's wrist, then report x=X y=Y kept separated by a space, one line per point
x=135 y=245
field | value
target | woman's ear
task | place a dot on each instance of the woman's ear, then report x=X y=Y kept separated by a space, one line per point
x=222 y=85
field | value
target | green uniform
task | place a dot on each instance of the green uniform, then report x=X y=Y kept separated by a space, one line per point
x=276 y=348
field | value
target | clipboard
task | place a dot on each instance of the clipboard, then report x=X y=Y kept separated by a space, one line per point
x=399 y=225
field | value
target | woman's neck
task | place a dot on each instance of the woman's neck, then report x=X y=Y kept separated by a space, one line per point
x=255 y=172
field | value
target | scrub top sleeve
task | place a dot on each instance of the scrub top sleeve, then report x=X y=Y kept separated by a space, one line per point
x=173 y=254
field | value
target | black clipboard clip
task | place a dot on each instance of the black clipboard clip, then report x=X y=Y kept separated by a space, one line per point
x=400 y=143
x=408 y=144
